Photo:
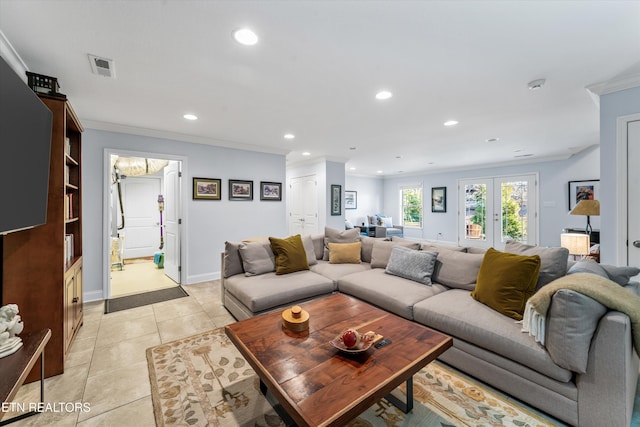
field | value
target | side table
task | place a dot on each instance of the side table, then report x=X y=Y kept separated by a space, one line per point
x=15 y=368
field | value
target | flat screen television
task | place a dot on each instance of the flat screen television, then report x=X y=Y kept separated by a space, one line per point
x=25 y=149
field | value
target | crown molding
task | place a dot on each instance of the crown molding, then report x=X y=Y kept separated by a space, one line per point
x=11 y=56
x=615 y=85
x=175 y=136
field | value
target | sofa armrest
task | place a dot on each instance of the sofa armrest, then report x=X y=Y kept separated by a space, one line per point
x=607 y=390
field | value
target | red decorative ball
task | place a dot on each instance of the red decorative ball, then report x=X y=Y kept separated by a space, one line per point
x=351 y=338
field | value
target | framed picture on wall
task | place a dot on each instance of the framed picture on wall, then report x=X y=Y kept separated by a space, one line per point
x=206 y=188
x=336 y=199
x=270 y=191
x=240 y=190
x=350 y=199
x=583 y=190
x=439 y=199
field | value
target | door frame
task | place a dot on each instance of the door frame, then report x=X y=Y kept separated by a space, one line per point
x=622 y=194
x=106 y=206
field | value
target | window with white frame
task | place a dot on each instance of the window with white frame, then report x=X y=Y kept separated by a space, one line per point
x=411 y=197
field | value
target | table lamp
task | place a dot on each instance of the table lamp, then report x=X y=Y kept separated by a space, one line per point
x=588 y=208
x=578 y=244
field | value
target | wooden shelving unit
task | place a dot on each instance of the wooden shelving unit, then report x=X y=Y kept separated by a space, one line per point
x=42 y=267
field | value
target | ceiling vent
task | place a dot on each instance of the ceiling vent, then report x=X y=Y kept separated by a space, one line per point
x=102 y=66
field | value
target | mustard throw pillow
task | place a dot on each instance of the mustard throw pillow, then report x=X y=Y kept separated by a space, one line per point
x=290 y=254
x=506 y=281
x=344 y=253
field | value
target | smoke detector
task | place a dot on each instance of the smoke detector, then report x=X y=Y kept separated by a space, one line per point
x=102 y=66
x=536 y=84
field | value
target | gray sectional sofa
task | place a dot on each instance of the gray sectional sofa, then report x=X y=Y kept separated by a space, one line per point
x=486 y=344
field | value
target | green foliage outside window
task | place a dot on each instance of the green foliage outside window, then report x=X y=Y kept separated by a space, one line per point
x=412 y=207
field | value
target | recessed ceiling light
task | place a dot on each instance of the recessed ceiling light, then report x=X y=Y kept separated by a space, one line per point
x=245 y=36
x=378 y=171
x=383 y=94
x=492 y=140
x=190 y=117
x=306 y=153
x=450 y=123
x=430 y=163
x=289 y=136
x=352 y=168
x=398 y=157
x=352 y=148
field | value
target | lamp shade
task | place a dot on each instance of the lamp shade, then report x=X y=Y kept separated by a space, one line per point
x=578 y=244
x=586 y=207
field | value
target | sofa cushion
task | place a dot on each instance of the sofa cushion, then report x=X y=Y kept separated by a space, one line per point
x=345 y=253
x=456 y=313
x=588 y=266
x=474 y=250
x=553 y=261
x=309 y=249
x=367 y=247
x=506 y=281
x=318 y=245
x=290 y=254
x=333 y=235
x=437 y=248
x=571 y=321
x=266 y=291
x=257 y=258
x=338 y=271
x=391 y=293
x=457 y=269
x=232 y=259
x=382 y=251
x=411 y=264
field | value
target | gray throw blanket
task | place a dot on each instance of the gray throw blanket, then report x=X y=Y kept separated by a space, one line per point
x=606 y=292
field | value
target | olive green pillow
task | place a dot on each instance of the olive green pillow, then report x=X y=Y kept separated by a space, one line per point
x=290 y=254
x=344 y=253
x=506 y=281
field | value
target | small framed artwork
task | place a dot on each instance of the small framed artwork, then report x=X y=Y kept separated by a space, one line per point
x=583 y=190
x=240 y=190
x=206 y=188
x=270 y=191
x=350 y=199
x=439 y=199
x=336 y=199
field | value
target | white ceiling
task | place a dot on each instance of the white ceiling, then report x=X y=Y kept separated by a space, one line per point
x=318 y=65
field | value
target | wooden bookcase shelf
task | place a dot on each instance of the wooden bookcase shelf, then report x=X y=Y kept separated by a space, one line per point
x=42 y=266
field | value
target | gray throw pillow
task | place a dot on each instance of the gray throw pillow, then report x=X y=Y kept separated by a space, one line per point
x=232 y=259
x=621 y=275
x=367 y=248
x=457 y=269
x=333 y=235
x=588 y=266
x=257 y=258
x=571 y=321
x=412 y=264
x=382 y=251
x=553 y=261
x=307 y=242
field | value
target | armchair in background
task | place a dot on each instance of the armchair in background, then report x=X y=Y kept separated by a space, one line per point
x=384 y=226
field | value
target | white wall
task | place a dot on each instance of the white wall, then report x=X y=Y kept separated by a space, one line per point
x=206 y=224
x=370 y=197
x=612 y=106
x=553 y=196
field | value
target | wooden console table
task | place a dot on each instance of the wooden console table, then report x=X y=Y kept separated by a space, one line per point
x=15 y=368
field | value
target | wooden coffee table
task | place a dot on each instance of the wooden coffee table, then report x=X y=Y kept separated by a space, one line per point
x=318 y=385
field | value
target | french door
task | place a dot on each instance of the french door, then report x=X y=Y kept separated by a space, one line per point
x=496 y=209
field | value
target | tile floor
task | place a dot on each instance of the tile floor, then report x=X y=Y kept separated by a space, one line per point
x=107 y=366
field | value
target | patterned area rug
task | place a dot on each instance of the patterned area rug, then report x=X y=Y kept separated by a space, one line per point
x=203 y=380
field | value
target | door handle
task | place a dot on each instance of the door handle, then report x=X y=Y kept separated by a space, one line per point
x=636 y=243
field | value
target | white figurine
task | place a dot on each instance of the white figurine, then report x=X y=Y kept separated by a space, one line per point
x=10 y=326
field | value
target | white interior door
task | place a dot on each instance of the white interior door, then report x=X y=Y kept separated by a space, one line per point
x=303 y=204
x=171 y=219
x=142 y=219
x=633 y=193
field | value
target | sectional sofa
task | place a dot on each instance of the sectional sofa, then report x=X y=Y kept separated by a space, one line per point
x=585 y=374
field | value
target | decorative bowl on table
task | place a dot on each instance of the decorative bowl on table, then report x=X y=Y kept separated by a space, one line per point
x=364 y=342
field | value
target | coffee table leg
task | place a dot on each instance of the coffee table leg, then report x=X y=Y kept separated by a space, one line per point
x=407 y=406
x=286 y=418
